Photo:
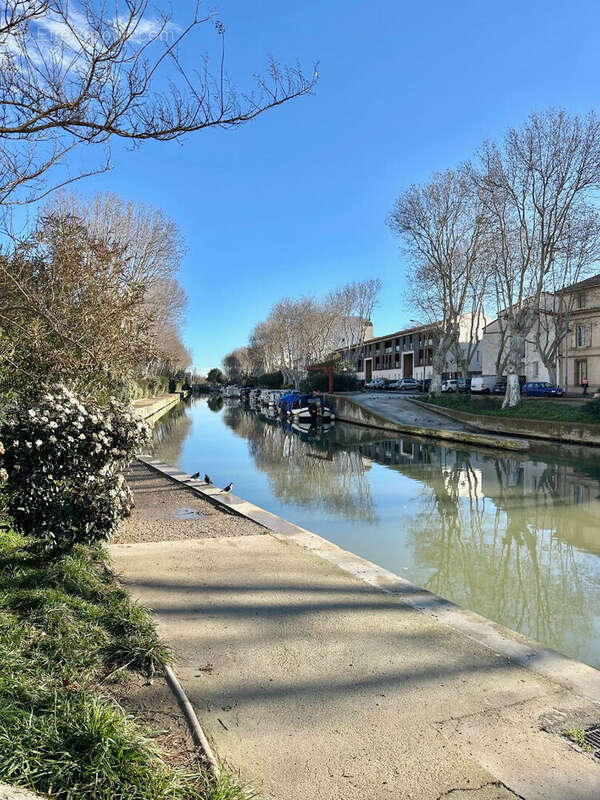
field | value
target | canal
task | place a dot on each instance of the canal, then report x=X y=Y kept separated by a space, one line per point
x=515 y=537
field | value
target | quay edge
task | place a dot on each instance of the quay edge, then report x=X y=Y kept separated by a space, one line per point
x=348 y=409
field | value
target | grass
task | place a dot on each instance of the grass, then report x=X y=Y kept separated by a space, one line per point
x=548 y=410
x=67 y=632
x=577 y=735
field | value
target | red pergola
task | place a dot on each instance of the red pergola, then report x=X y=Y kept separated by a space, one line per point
x=320 y=368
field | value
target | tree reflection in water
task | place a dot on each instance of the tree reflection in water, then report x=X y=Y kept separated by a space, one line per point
x=170 y=433
x=215 y=402
x=310 y=474
x=500 y=535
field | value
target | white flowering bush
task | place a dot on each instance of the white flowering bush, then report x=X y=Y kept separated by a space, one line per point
x=61 y=467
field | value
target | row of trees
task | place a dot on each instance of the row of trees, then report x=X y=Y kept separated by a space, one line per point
x=300 y=332
x=90 y=297
x=507 y=231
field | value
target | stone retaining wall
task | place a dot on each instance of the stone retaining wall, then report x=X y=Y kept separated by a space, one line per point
x=577 y=432
x=348 y=410
x=152 y=409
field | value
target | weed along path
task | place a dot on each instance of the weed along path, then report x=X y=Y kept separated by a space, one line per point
x=317 y=675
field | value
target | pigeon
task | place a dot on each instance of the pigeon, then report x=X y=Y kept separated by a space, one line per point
x=195 y=476
x=207 y=479
x=228 y=488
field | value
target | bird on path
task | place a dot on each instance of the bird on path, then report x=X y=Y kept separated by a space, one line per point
x=228 y=488
x=195 y=476
x=207 y=479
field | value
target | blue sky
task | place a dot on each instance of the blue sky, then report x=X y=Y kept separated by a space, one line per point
x=296 y=201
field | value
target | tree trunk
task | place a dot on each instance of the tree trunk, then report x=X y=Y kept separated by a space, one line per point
x=438 y=362
x=516 y=354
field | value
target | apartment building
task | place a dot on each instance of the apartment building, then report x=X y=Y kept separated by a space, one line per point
x=532 y=367
x=579 y=355
x=408 y=353
x=575 y=309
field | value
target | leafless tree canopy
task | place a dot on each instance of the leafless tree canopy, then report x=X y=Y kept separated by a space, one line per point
x=304 y=331
x=75 y=73
x=537 y=189
x=442 y=226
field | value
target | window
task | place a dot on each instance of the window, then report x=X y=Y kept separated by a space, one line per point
x=580 y=370
x=535 y=369
x=581 y=300
x=580 y=336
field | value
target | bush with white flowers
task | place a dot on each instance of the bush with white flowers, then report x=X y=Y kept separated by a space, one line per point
x=62 y=466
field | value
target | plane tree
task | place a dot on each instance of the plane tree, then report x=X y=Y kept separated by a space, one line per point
x=441 y=225
x=80 y=73
x=537 y=187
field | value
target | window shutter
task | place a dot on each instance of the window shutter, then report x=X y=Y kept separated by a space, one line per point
x=589 y=336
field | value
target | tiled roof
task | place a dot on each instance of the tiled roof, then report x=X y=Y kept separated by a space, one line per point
x=588 y=283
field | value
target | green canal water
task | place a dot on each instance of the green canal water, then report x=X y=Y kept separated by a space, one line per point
x=514 y=537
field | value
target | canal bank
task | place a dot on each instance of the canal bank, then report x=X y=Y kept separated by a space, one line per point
x=578 y=433
x=395 y=414
x=151 y=409
x=318 y=674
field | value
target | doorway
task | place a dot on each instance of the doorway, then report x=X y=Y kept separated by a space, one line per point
x=368 y=369
x=407 y=367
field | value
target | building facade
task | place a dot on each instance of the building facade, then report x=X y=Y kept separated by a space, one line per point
x=572 y=315
x=408 y=353
x=532 y=367
x=579 y=353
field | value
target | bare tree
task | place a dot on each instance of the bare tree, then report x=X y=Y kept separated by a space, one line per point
x=238 y=364
x=533 y=186
x=80 y=73
x=355 y=303
x=441 y=224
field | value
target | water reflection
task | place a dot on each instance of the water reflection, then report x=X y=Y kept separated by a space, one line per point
x=514 y=537
x=302 y=468
x=215 y=402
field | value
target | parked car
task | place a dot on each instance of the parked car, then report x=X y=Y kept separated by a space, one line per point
x=483 y=384
x=541 y=389
x=407 y=385
x=450 y=385
x=464 y=385
x=499 y=387
x=376 y=383
x=424 y=385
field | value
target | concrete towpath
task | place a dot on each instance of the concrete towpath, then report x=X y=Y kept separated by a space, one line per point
x=397 y=408
x=316 y=685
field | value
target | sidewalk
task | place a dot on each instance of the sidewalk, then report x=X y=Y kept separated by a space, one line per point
x=318 y=686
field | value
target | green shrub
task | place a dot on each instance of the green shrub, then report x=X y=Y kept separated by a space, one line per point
x=593 y=408
x=63 y=465
x=270 y=380
x=319 y=381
